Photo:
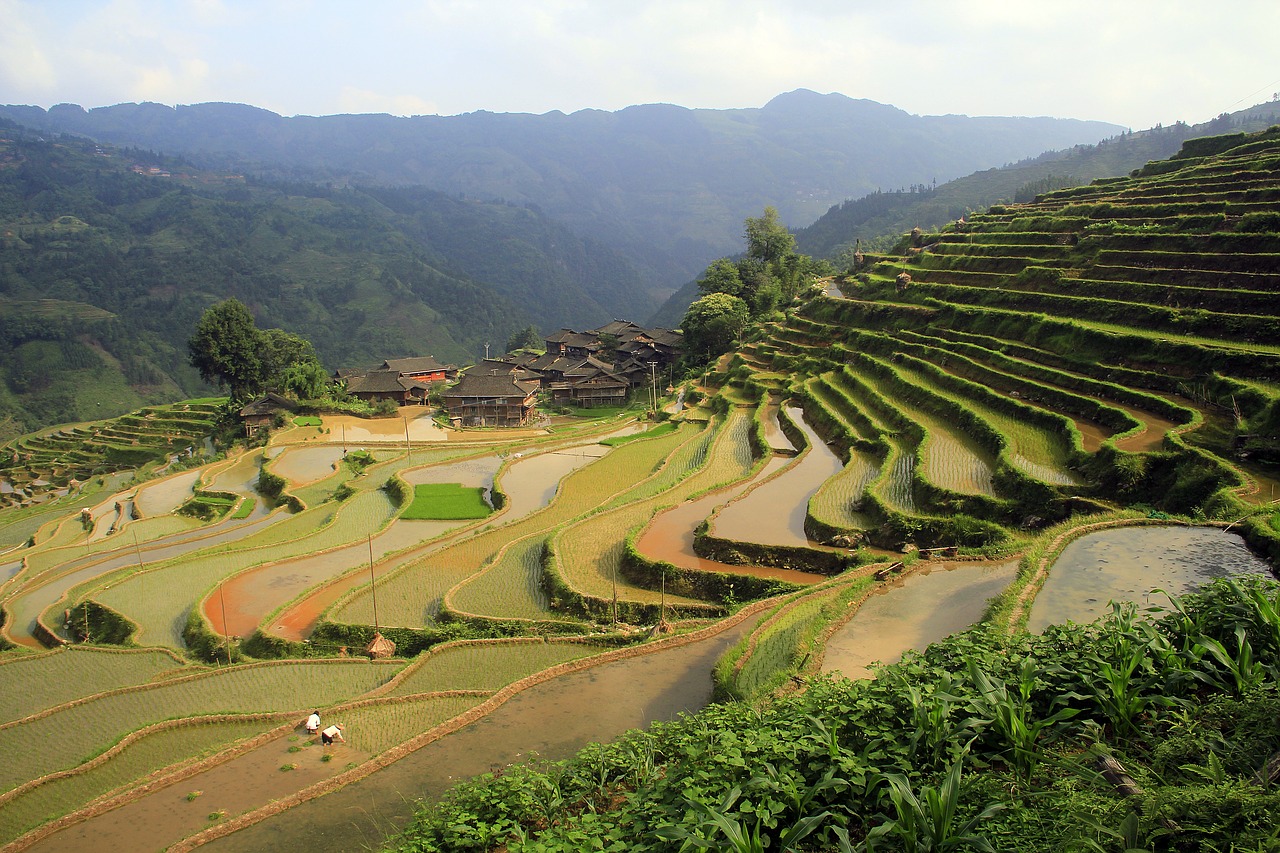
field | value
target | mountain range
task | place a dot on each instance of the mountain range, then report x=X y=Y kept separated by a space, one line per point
x=668 y=187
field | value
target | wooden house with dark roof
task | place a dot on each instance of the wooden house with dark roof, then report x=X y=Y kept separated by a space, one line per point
x=495 y=398
x=377 y=385
x=422 y=368
x=574 y=344
x=259 y=414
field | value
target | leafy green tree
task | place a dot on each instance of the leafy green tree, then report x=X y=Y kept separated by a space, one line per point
x=305 y=380
x=282 y=350
x=721 y=277
x=768 y=240
x=226 y=349
x=526 y=338
x=713 y=324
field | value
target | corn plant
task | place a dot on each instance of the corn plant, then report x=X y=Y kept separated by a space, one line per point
x=1010 y=714
x=744 y=829
x=926 y=822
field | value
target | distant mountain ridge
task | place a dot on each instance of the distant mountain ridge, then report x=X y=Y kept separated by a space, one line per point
x=108 y=258
x=667 y=186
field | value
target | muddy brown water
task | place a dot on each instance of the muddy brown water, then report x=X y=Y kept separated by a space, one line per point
x=300 y=464
x=773 y=431
x=773 y=513
x=1125 y=564
x=922 y=608
x=159 y=819
x=530 y=483
x=551 y=720
x=164 y=496
x=350 y=431
x=671 y=534
x=28 y=604
x=1151 y=438
x=250 y=596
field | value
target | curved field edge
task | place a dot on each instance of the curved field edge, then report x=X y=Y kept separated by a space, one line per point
x=480 y=711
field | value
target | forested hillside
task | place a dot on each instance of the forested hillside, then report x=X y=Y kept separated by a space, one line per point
x=875 y=220
x=667 y=186
x=104 y=271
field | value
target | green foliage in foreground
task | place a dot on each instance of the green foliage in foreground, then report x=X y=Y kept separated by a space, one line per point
x=983 y=742
x=445 y=501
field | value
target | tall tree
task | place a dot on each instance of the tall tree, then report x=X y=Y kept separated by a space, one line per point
x=712 y=324
x=227 y=349
x=768 y=240
x=721 y=277
x=526 y=338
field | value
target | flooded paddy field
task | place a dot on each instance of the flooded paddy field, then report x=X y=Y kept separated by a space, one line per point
x=1125 y=564
x=550 y=721
x=930 y=604
x=773 y=512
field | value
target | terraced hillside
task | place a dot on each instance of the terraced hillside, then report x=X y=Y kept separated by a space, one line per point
x=34 y=468
x=1103 y=346
x=1104 y=353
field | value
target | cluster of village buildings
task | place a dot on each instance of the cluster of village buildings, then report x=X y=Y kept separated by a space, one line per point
x=600 y=367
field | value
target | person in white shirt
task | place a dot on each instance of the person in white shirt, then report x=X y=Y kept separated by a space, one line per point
x=313 y=723
x=331 y=734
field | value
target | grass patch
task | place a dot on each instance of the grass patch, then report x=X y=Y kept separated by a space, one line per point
x=307 y=420
x=245 y=508
x=447 y=501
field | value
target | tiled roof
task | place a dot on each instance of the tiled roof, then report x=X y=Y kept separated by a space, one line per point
x=482 y=385
x=415 y=364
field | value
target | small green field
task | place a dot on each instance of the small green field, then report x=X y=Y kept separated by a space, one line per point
x=447 y=502
x=307 y=421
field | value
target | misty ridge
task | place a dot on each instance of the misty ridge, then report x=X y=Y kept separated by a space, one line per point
x=666 y=186
x=375 y=236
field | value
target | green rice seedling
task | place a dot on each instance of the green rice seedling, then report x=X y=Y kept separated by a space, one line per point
x=74 y=733
x=144 y=756
x=411 y=595
x=1030 y=448
x=836 y=498
x=446 y=501
x=510 y=588
x=590 y=551
x=487 y=665
x=158 y=600
x=377 y=727
x=284 y=768
x=307 y=421
x=245 y=509
x=31 y=684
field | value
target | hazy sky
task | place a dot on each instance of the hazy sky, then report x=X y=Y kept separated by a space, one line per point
x=1131 y=62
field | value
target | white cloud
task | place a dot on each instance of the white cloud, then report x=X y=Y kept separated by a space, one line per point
x=1134 y=63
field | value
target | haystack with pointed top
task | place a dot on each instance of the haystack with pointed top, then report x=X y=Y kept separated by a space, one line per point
x=380 y=647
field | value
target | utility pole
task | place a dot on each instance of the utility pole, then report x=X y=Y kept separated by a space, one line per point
x=226 y=636
x=653 y=387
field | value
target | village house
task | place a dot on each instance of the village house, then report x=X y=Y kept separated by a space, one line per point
x=377 y=385
x=260 y=414
x=495 y=398
x=403 y=381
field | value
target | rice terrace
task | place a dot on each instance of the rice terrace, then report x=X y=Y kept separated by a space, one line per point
x=551 y=607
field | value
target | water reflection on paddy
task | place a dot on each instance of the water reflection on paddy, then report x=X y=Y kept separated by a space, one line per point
x=923 y=608
x=1127 y=563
